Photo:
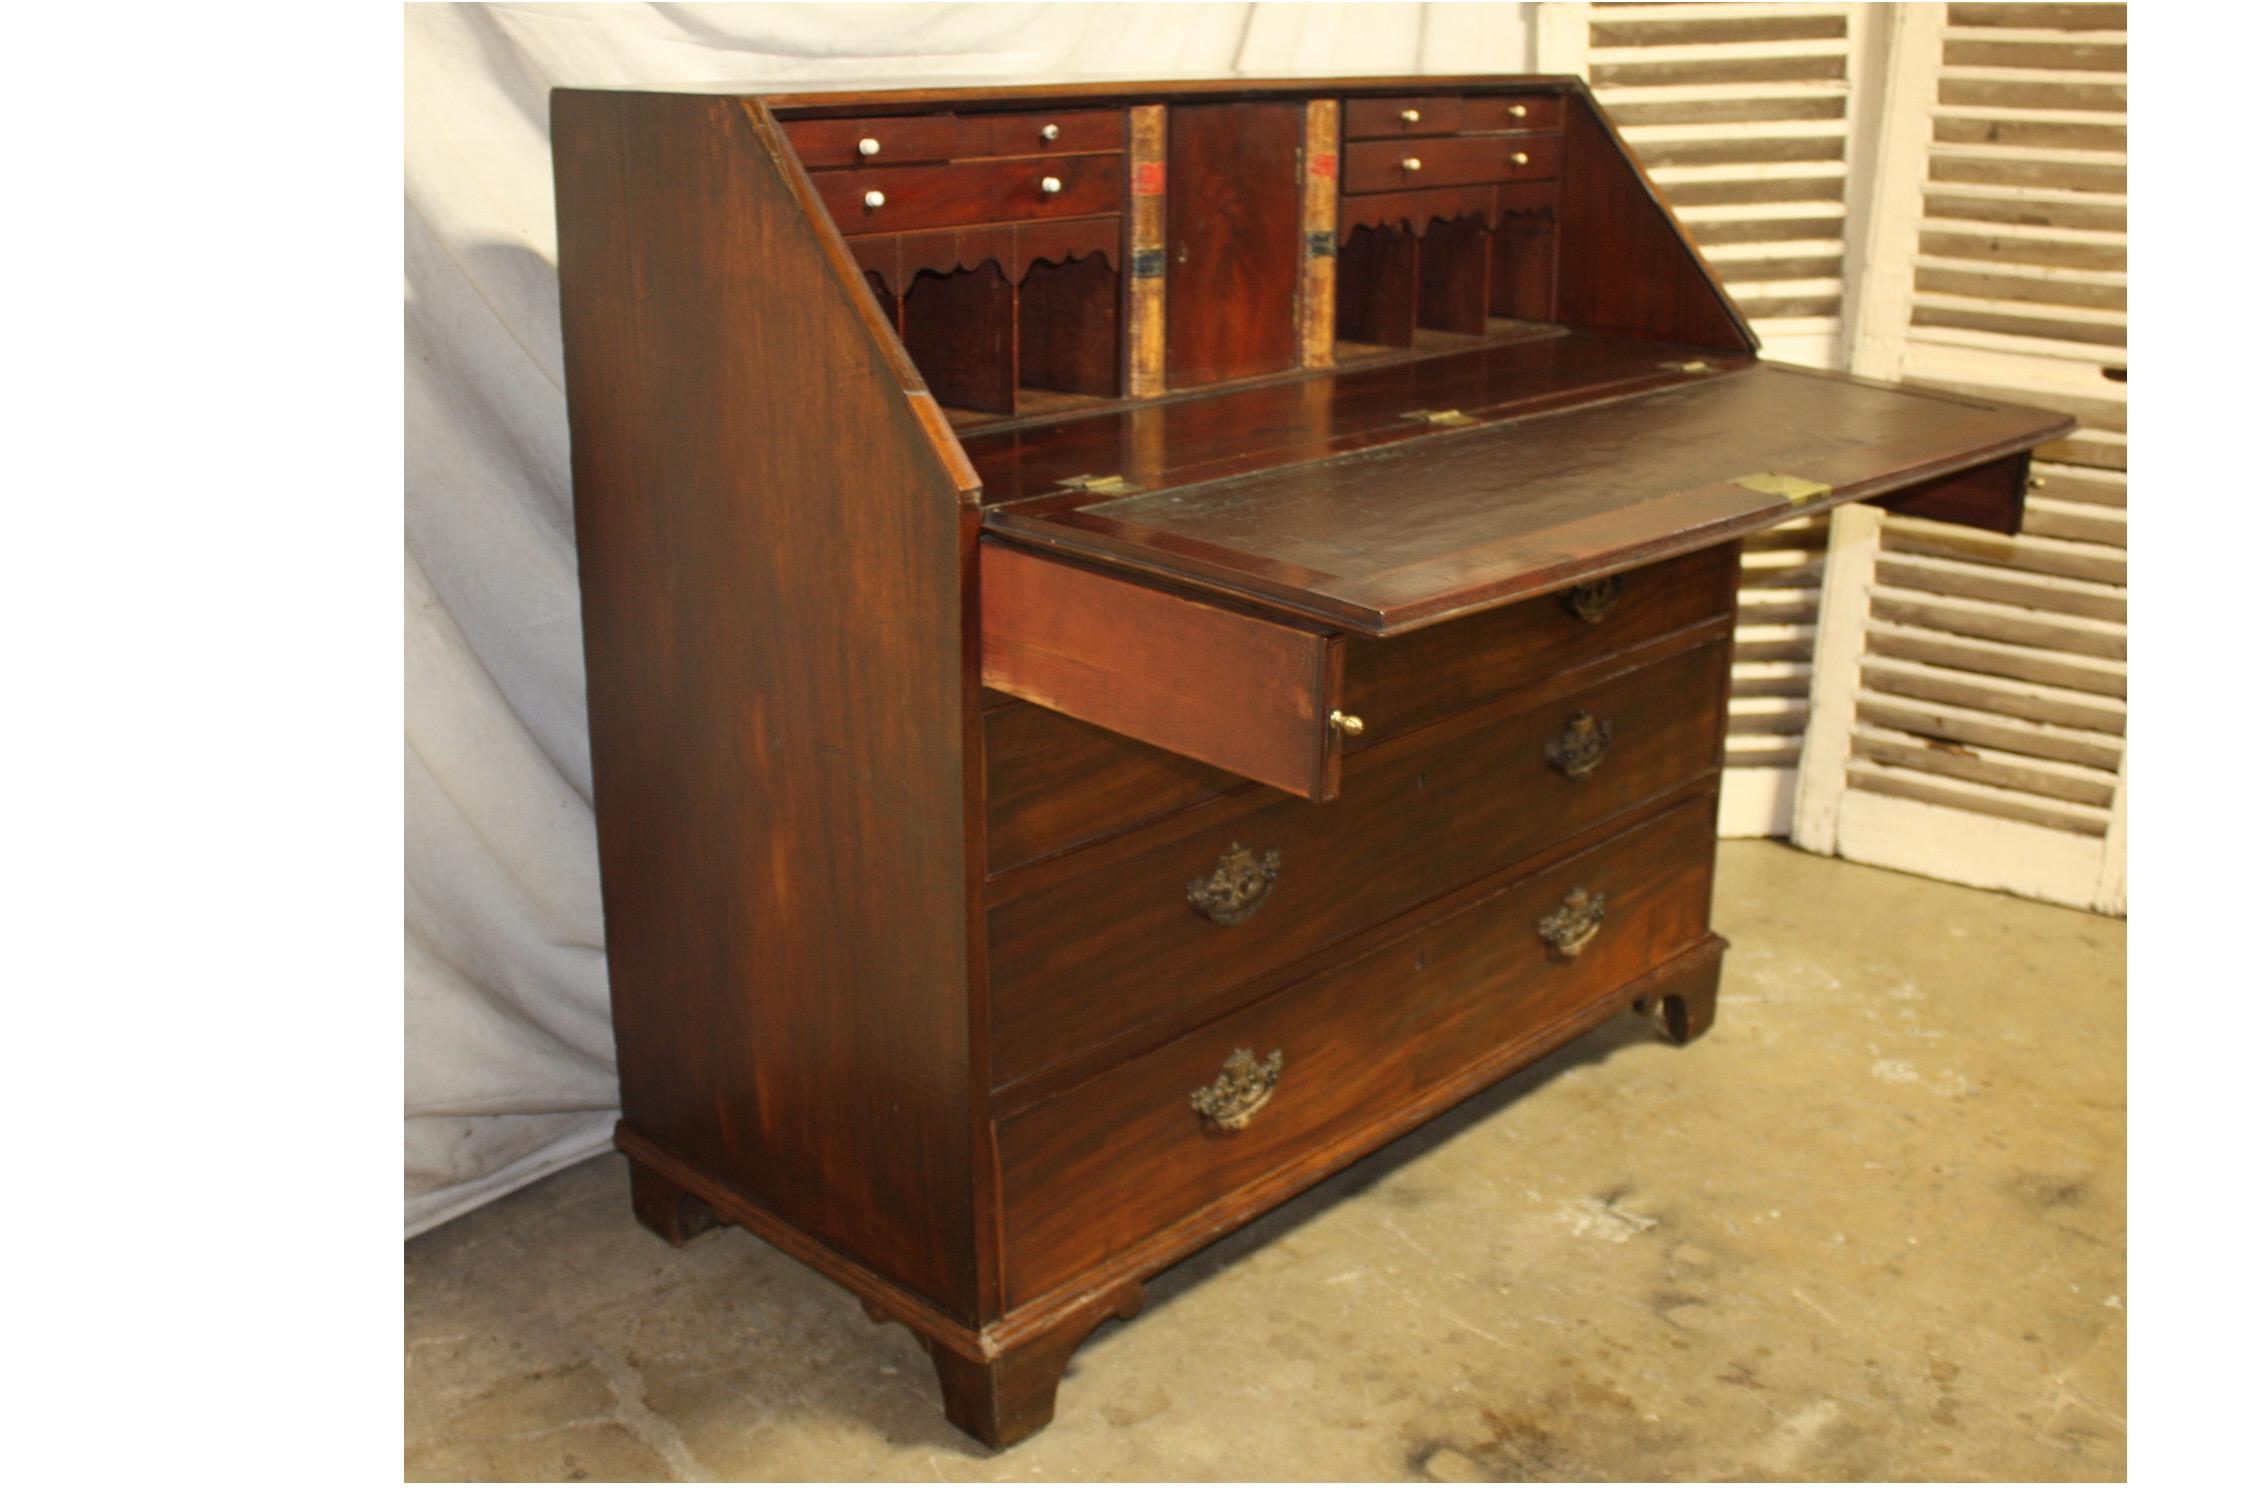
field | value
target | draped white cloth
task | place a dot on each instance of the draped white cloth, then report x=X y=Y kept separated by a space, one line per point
x=509 y=1059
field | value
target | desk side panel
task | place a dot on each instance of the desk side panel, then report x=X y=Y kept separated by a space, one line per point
x=772 y=594
x=1626 y=266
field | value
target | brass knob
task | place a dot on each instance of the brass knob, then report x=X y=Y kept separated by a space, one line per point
x=1049 y=133
x=1579 y=749
x=1240 y=884
x=873 y=200
x=1592 y=599
x=867 y=146
x=1243 y=1089
x=1411 y=164
x=1570 y=928
x=1411 y=117
x=1345 y=724
x=1519 y=159
x=1053 y=185
x=1517 y=112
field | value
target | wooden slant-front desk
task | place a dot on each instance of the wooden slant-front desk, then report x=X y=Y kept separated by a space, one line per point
x=1144 y=640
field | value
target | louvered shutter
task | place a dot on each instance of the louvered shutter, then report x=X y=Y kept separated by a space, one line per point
x=1971 y=689
x=1742 y=114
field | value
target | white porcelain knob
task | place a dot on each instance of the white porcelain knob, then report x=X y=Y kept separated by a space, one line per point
x=1411 y=117
x=1519 y=159
x=1052 y=185
x=1411 y=164
x=873 y=200
x=1049 y=133
x=867 y=146
x=1517 y=112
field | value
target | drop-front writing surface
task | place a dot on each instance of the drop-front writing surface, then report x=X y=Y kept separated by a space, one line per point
x=1144 y=640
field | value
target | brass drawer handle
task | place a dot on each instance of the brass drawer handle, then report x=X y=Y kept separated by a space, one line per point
x=1579 y=749
x=1345 y=724
x=1569 y=928
x=1238 y=886
x=1592 y=599
x=1243 y=1089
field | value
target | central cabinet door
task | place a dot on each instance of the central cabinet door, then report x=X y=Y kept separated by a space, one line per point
x=1233 y=240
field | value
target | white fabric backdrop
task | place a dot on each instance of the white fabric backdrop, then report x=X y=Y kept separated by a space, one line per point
x=509 y=1065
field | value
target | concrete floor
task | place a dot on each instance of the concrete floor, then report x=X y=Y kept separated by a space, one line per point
x=1871 y=1227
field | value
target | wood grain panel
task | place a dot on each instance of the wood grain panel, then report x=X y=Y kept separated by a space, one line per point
x=1088 y=1174
x=1054 y=783
x=970 y=193
x=758 y=824
x=899 y=138
x=1114 y=947
x=1625 y=264
x=1401 y=537
x=1240 y=692
x=1233 y=232
x=1020 y=133
x=1384 y=166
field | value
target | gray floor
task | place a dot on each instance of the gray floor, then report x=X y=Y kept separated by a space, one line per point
x=1870 y=1227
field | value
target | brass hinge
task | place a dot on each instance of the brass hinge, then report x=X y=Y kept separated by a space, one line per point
x=1448 y=417
x=1688 y=367
x=1793 y=487
x=1100 y=485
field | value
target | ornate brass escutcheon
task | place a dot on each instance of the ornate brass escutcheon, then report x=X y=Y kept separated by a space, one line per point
x=1242 y=1090
x=1592 y=599
x=1571 y=926
x=1579 y=749
x=1238 y=886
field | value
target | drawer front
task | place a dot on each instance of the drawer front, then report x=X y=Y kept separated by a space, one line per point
x=1029 y=134
x=1239 y=692
x=1397 y=684
x=1427 y=115
x=1119 y=948
x=1391 y=166
x=1529 y=112
x=913 y=198
x=1088 y=1174
x=898 y=138
x=1055 y=783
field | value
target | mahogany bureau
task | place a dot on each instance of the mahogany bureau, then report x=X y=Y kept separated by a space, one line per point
x=1144 y=640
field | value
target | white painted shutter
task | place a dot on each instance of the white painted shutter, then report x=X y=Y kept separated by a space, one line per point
x=1970 y=709
x=1743 y=115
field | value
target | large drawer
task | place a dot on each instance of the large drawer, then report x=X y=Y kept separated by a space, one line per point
x=1116 y=947
x=1054 y=783
x=868 y=201
x=1090 y=1173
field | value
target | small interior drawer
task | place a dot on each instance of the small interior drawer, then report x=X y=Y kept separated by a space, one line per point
x=1390 y=166
x=1527 y=112
x=1426 y=115
x=1031 y=134
x=1241 y=692
x=897 y=138
x=870 y=200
